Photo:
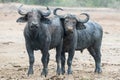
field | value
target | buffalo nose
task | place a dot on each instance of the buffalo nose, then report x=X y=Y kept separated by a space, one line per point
x=34 y=25
x=70 y=29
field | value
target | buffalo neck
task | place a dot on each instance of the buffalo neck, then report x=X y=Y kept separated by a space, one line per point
x=34 y=33
x=69 y=35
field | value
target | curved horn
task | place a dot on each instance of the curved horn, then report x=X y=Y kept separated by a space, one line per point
x=87 y=18
x=20 y=11
x=55 y=12
x=47 y=13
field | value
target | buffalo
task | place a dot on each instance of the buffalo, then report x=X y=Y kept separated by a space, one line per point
x=41 y=33
x=79 y=35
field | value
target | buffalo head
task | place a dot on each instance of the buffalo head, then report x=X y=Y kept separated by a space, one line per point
x=32 y=17
x=71 y=22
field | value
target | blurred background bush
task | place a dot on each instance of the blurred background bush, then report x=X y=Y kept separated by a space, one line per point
x=70 y=3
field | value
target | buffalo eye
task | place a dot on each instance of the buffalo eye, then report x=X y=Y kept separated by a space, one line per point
x=38 y=16
x=74 y=22
x=30 y=15
x=66 y=21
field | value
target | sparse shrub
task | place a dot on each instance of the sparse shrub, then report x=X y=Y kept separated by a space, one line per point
x=70 y=3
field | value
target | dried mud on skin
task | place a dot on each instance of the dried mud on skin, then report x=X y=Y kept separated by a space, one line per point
x=14 y=58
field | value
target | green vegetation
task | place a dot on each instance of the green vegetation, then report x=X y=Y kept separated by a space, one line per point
x=71 y=3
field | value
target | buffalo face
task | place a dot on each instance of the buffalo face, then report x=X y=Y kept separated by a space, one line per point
x=32 y=17
x=69 y=24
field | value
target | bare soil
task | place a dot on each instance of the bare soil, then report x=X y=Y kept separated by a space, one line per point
x=14 y=58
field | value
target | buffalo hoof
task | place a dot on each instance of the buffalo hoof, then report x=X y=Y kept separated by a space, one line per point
x=69 y=71
x=98 y=70
x=63 y=71
x=58 y=71
x=30 y=72
x=44 y=72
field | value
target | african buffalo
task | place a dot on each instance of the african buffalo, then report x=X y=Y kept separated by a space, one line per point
x=76 y=38
x=43 y=34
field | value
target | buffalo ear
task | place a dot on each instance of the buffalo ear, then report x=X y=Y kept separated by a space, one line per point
x=46 y=20
x=62 y=21
x=22 y=19
x=80 y=26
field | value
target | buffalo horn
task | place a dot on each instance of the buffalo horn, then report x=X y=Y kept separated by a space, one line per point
x=20 y=11
x=85 y=20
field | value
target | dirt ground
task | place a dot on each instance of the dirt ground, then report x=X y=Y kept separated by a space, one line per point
x=14 y=58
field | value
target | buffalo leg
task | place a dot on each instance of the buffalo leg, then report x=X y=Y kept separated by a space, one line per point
x=63 y=61
x=69 y=61
x=45 y=61
x=98 y=60
x=31 y=60
x=48 y=58
x=58 y=58
x=97 y=57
